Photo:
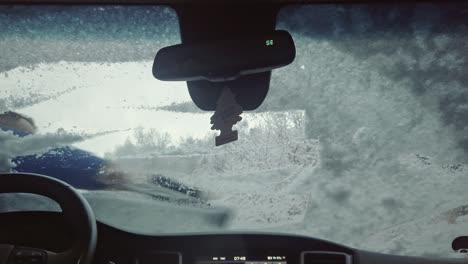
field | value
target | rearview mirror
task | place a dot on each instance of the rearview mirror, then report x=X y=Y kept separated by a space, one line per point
x=224 y=60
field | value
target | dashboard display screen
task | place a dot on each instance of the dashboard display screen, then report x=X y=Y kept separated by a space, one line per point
x=240 y=259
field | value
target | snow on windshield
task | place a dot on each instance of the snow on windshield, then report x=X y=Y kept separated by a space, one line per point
x=384 y=90
x=362 y=140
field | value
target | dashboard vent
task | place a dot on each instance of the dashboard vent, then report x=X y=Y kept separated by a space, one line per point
x=325 y=257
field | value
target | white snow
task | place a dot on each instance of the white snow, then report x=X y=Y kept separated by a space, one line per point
x=98 y=98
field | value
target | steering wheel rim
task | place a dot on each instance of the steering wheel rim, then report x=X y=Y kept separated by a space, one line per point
x=75 y=209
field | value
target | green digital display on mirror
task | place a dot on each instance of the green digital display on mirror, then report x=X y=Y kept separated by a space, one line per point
x=269 y=42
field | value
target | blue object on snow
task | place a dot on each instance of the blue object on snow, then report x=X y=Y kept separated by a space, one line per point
x=74 y=166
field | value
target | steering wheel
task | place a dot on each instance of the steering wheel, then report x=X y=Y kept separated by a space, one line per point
x=75 y=209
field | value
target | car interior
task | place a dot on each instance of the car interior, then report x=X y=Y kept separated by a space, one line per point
x=234 y=44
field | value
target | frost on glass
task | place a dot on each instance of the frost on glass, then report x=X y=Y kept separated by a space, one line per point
x=45 y=51
x=32 y=35
x=384 y=90
x=362 y=140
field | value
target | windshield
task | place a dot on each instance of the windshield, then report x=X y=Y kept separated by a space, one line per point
x=361 y=141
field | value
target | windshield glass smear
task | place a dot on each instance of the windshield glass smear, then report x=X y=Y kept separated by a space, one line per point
x=362 y=140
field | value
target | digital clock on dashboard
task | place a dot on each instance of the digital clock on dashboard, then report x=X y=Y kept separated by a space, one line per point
x=242 y=259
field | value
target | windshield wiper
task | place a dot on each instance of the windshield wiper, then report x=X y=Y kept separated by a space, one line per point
x=169 y=183
x=163 y=193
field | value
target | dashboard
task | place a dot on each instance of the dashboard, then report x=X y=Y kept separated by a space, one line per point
x=218 y=249
x=49 y=231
